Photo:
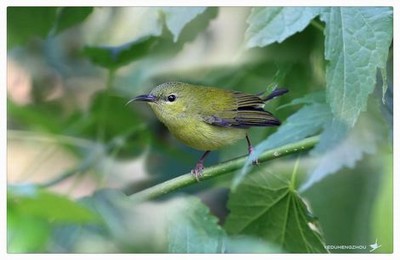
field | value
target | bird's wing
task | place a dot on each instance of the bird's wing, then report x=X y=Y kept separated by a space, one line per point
x=246 y=112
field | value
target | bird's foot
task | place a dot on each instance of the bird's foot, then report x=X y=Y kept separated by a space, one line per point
x=254 y=161
x=198 y=170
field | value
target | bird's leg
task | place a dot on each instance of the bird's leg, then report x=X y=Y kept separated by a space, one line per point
x=251 y=149
x=197 y=171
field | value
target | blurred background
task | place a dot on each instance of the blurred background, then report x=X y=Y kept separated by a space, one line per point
x=56 y=88
x=69 y=130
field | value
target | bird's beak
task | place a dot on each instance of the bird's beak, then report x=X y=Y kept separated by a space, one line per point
x=146 y=98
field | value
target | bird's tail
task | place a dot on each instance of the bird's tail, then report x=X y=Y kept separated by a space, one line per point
x=276 y=93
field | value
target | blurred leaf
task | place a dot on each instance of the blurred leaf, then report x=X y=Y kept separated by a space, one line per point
x=308 y=99
x=166 y=47
x=362 y=139
x=70 y=16
x=24 y=23
x=305 y=122
x=266 y=206
x=26 y=233
x=168 y=162
x=249 y=245
x=343 y=203
x=193 y=229
x=190 y=31
x=177 y=18
x=184 y=25
x=110 y=119
x=382 y=212
x=43 y=117
x=32 y=214
x=49 y=206
x=113 y=233
x=128 y=227
x=112 y=206
x=275 y=24
x=357 y=41
x=118 y=56
x=179 y=225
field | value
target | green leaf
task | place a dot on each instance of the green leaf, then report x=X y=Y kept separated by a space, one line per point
x=333 y=156
x=26 y=233
x=382 y=211
x=24 y=23
x=43 y=116
x=128 y=226
x=275 y=24
x=334 y=132
x=305 y=122
x=107 y=235
x=112 y=120
x=179 y=225
x=176 y=18
x=246 y=244
x=115 y=57
x=193 y=230
x=266 y=206
x=357 y=41
x=70 y=16
x=308 y=99
x=344 y=204
x=48 y=206
x=114 y=208
x=191 y=29
x=183 y=23
x=170 y=42
x=32 y=214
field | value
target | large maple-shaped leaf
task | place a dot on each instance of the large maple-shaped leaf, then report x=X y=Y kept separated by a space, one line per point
x=192 y=229
x=268 y=207
x=357 y=42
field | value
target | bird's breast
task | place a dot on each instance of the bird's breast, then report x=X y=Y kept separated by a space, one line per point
x=202 y=136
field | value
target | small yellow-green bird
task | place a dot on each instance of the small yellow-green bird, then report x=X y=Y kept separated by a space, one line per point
x=207 y=118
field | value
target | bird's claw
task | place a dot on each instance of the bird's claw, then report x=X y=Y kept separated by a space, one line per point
x=254 y=161
x=198 y=171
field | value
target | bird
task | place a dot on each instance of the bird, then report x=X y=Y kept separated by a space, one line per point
x=209 y=118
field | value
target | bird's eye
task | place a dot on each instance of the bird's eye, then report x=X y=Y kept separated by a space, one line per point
x=171 y=98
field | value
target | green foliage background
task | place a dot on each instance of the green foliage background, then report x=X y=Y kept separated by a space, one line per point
x=84 y=64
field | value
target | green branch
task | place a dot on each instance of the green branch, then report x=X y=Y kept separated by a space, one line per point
x=221 y=169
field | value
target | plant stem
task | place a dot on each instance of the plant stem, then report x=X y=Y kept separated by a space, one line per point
x=221 y=169
x=292 y=185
